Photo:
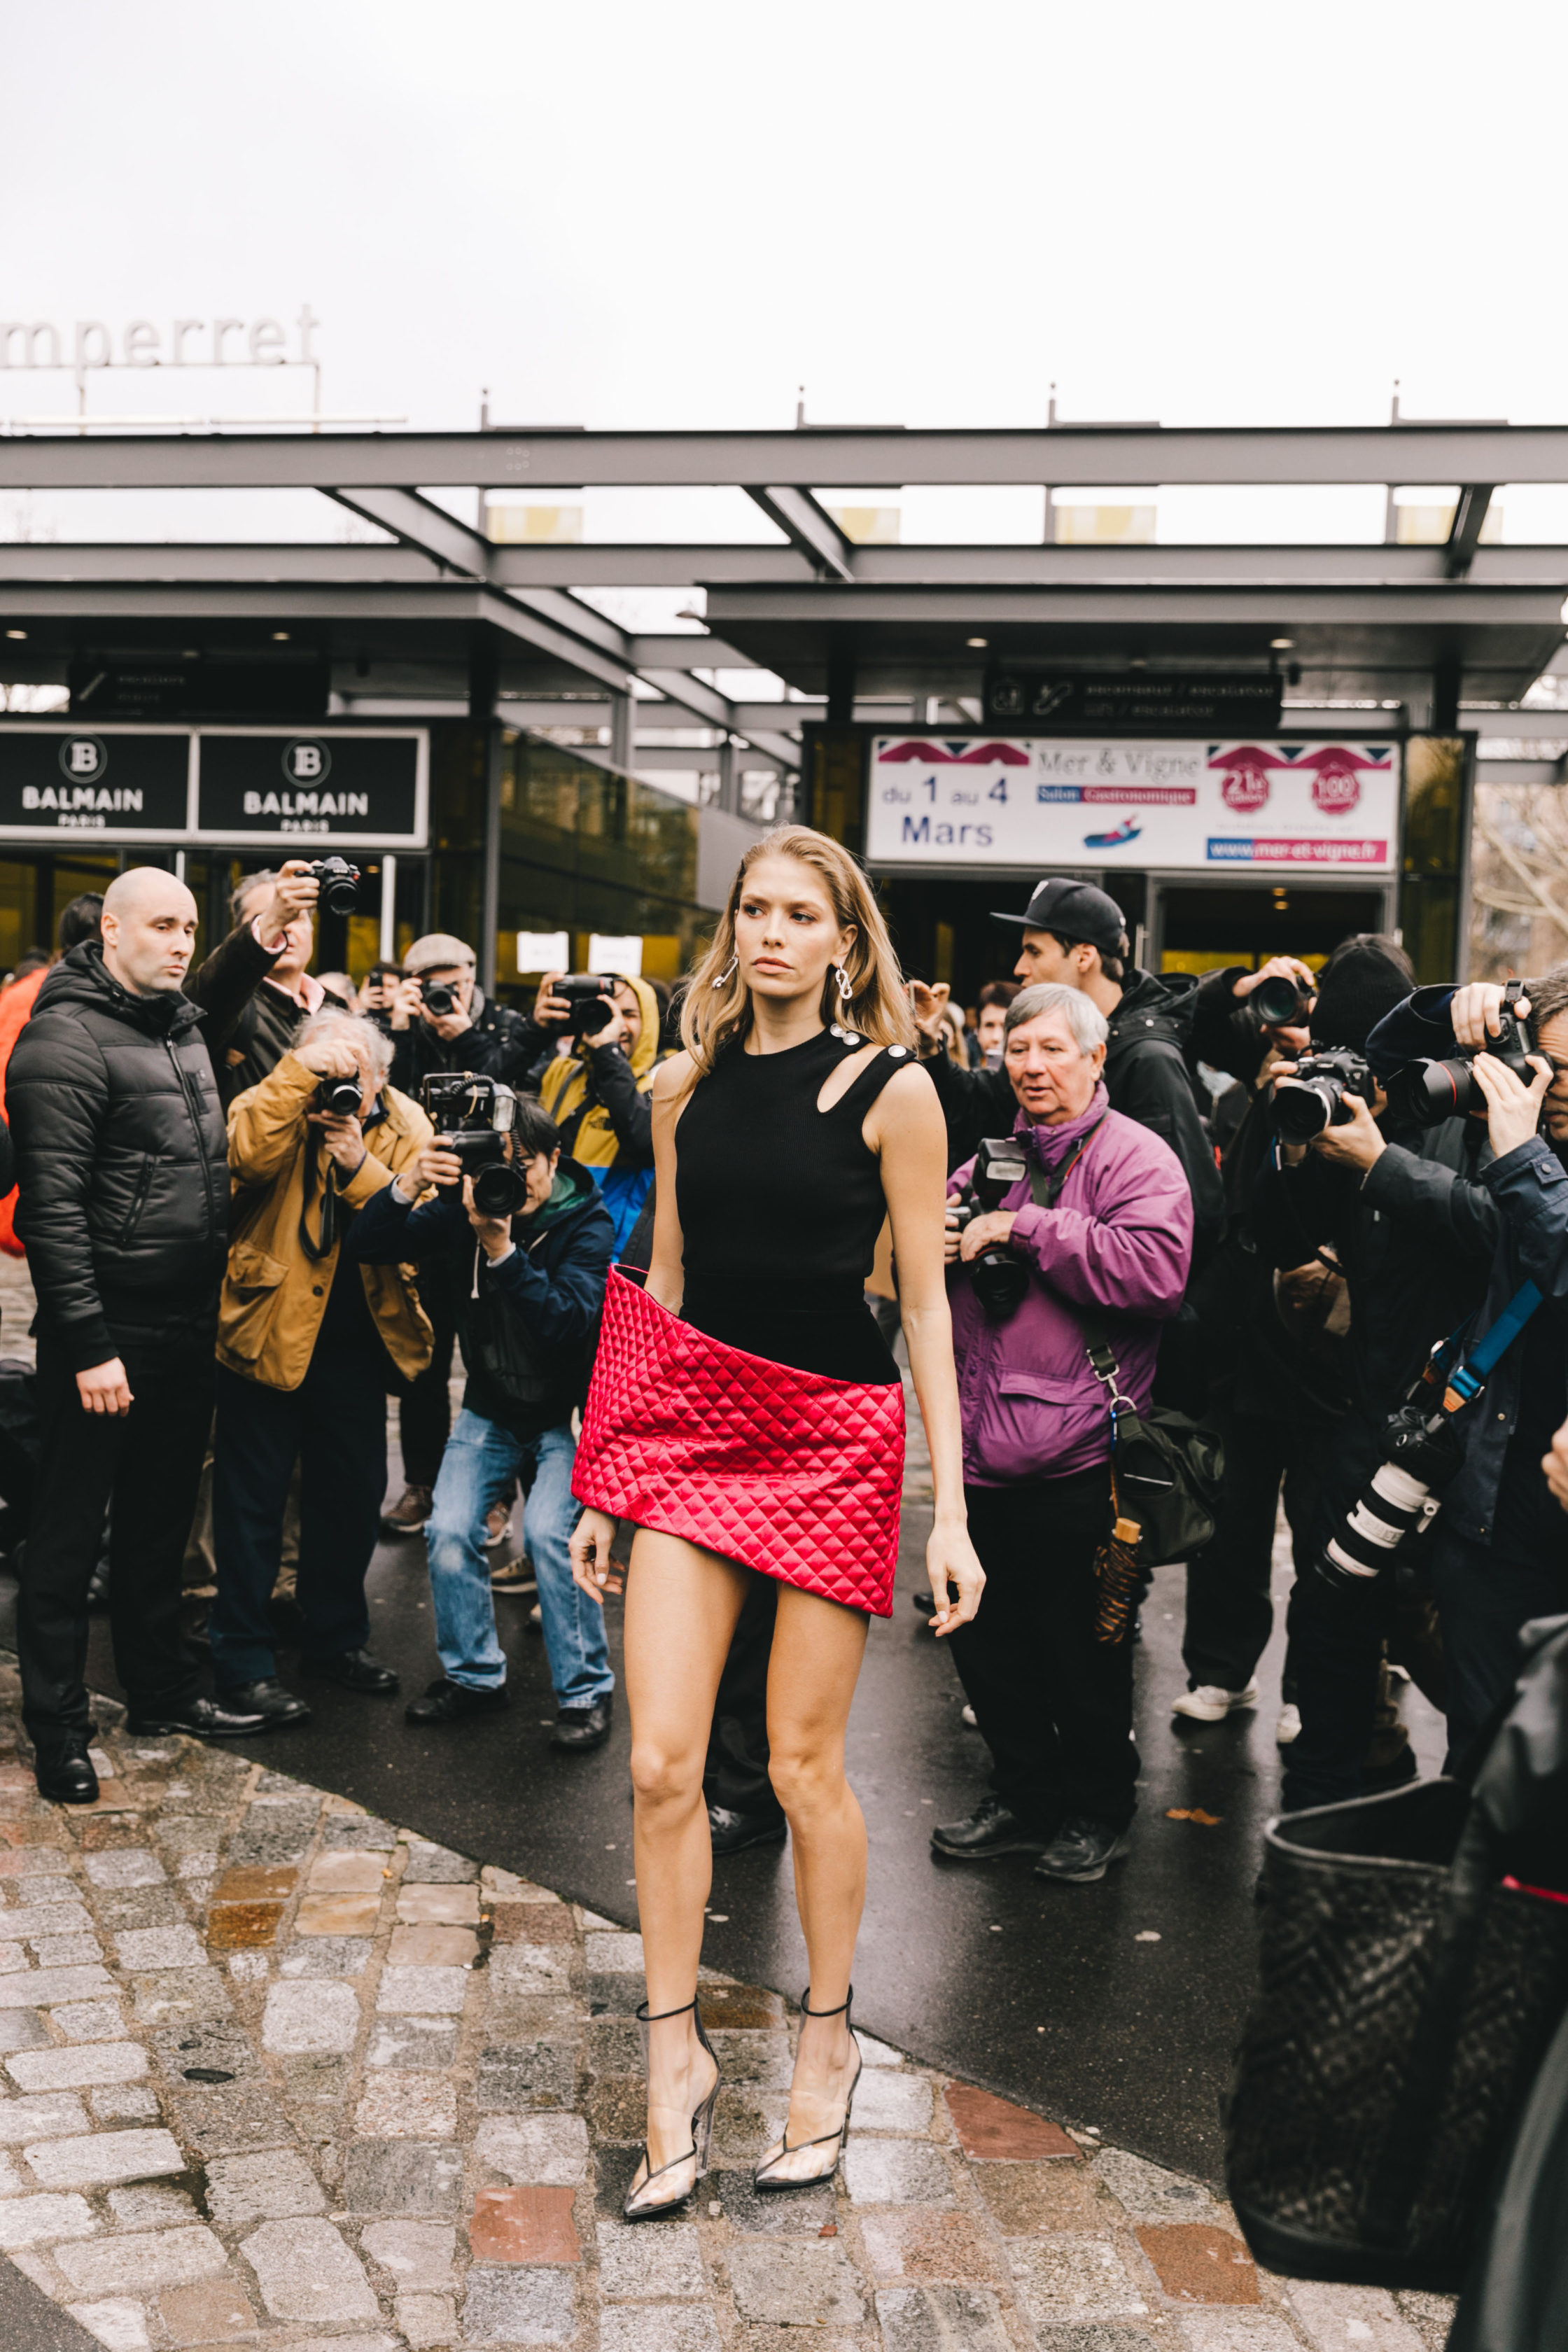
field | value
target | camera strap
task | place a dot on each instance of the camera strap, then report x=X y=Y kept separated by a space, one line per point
x=1466 y=1379
x=317 y=1250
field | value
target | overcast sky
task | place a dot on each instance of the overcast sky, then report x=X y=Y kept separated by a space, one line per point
x=673 y=216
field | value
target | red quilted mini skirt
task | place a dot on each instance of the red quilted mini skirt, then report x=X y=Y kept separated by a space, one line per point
x=789 y=1473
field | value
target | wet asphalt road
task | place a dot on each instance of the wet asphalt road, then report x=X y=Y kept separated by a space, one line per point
x=1115 y=2005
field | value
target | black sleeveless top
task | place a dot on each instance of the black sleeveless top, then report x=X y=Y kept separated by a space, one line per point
x=780 y=1205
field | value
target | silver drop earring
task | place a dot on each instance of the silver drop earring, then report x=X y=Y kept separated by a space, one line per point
x=844 y=992
x=725 y=974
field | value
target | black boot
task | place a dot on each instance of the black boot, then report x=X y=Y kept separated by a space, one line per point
x=449 y=1702
x=267 y=1698
x=356 y=1670
x=732 y=1833
x=198 y=1719
x=990 y=1829
x=581 y=1728
x=65 y=1774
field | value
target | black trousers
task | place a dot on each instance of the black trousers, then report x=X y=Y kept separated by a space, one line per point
x=1483 y=1601
x=1336 y=1642
x=1230 y=1609
x=425 y=1415
x=334 y=1425
x=148 y=1462
x=736 y=1773
x=1053 y=1704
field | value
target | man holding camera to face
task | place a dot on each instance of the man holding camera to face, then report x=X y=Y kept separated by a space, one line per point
x=599 y=1093
x=519 y=1244
x=440 y=1019
x=1497 y=1057
x=309 y=1342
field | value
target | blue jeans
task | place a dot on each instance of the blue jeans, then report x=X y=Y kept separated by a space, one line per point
x=477 y=1470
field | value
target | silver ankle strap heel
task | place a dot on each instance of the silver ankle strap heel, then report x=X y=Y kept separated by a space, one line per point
x=765 y=2178
x=635 y=2210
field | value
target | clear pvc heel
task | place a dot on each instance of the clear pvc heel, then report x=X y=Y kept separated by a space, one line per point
x=678 y=2181
x=766 y=2177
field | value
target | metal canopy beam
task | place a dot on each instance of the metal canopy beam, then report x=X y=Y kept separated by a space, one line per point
x=534 y=570
x=1465 y=531
x=420 y=524
x=1066 y=455
x=1462 y=603
x=809 y=526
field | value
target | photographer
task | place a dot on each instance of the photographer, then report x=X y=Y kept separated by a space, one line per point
x=1073 y=937
x=123 y=1202
x=526 y=1289
x=1272 y=1354
x=308 y=1345
x=439 y=1019
x=1497 y=1552
x=599 y=1095
x=1101 y=1225
x=1409 y=1217
x=254 y=986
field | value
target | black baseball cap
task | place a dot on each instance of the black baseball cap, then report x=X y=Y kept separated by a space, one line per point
x=1074 y=910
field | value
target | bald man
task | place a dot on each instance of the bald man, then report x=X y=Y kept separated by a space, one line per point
x=123 y=1176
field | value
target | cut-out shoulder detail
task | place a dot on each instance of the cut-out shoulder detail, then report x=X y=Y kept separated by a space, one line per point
x=837 y=1083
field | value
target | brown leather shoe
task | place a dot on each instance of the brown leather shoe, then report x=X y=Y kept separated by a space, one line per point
x=410 y=1514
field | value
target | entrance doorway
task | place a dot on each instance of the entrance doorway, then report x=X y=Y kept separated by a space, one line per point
x=1198 y=927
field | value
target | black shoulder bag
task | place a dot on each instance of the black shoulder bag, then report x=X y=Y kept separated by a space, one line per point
x=1165 y=1468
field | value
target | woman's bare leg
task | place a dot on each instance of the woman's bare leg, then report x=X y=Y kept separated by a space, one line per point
x=681 y=1608
x=818 y=1650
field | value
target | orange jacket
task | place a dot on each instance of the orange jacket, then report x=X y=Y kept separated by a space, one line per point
x=14 y=1007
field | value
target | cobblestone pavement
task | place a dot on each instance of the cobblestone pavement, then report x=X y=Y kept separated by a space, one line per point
x=278 y=2073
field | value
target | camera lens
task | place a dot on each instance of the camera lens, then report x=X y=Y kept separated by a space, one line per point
x=1279 y=1002
x=341 y=1097
x=498 y=1191
x=439 y=998
x=1300 y=1112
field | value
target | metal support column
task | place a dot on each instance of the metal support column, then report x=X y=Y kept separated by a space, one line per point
x=490 y=879
x=1446 y=678
x=623 y=729
x=387 y=948
x=729 y=778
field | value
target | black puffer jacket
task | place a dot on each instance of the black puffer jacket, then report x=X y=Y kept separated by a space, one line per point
x=492 y=1048
x=122 y=1161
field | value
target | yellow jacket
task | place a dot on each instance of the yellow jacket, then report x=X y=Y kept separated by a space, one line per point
x=563 y=1088
x=274 y=1294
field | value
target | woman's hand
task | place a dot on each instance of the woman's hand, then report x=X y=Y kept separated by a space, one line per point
x=951 y=1560
x=992 y=1231
x=591 y=1566
x=1514 y=1109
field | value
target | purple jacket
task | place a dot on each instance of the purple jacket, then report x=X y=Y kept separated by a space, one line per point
x=1119 y=1239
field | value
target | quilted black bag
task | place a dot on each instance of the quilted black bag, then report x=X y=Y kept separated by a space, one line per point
x=1406 y=1998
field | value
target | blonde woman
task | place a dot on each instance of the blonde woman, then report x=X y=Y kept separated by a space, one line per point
x=747 y=1417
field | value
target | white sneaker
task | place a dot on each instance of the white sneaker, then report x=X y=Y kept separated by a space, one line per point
x=1289 y=1726
x=1209 y=1704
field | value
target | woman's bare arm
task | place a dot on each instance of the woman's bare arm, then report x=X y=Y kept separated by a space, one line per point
x=906 y=1128
x=667 y=1265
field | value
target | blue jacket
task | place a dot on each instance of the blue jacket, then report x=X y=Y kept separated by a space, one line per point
x=1530 y=1186
x=528 y=1327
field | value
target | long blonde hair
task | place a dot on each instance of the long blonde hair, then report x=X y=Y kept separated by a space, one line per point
x=718 y=1003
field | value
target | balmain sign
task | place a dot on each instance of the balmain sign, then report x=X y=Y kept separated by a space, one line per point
x=248 y=787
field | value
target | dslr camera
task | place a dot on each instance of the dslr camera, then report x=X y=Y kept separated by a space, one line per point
x=592 y=998
x=1001 y=1280
x=1316 y=1099
x=472 y=1116
x=339 y=884
x=1427 y=1092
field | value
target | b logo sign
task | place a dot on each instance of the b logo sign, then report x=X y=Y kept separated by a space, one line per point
x=307 y=760
x=83 y=758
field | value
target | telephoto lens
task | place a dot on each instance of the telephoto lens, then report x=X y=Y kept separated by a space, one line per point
x=339 y=1097
x=339 y=884
x=1422 y=1453
x=1426 y=1093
